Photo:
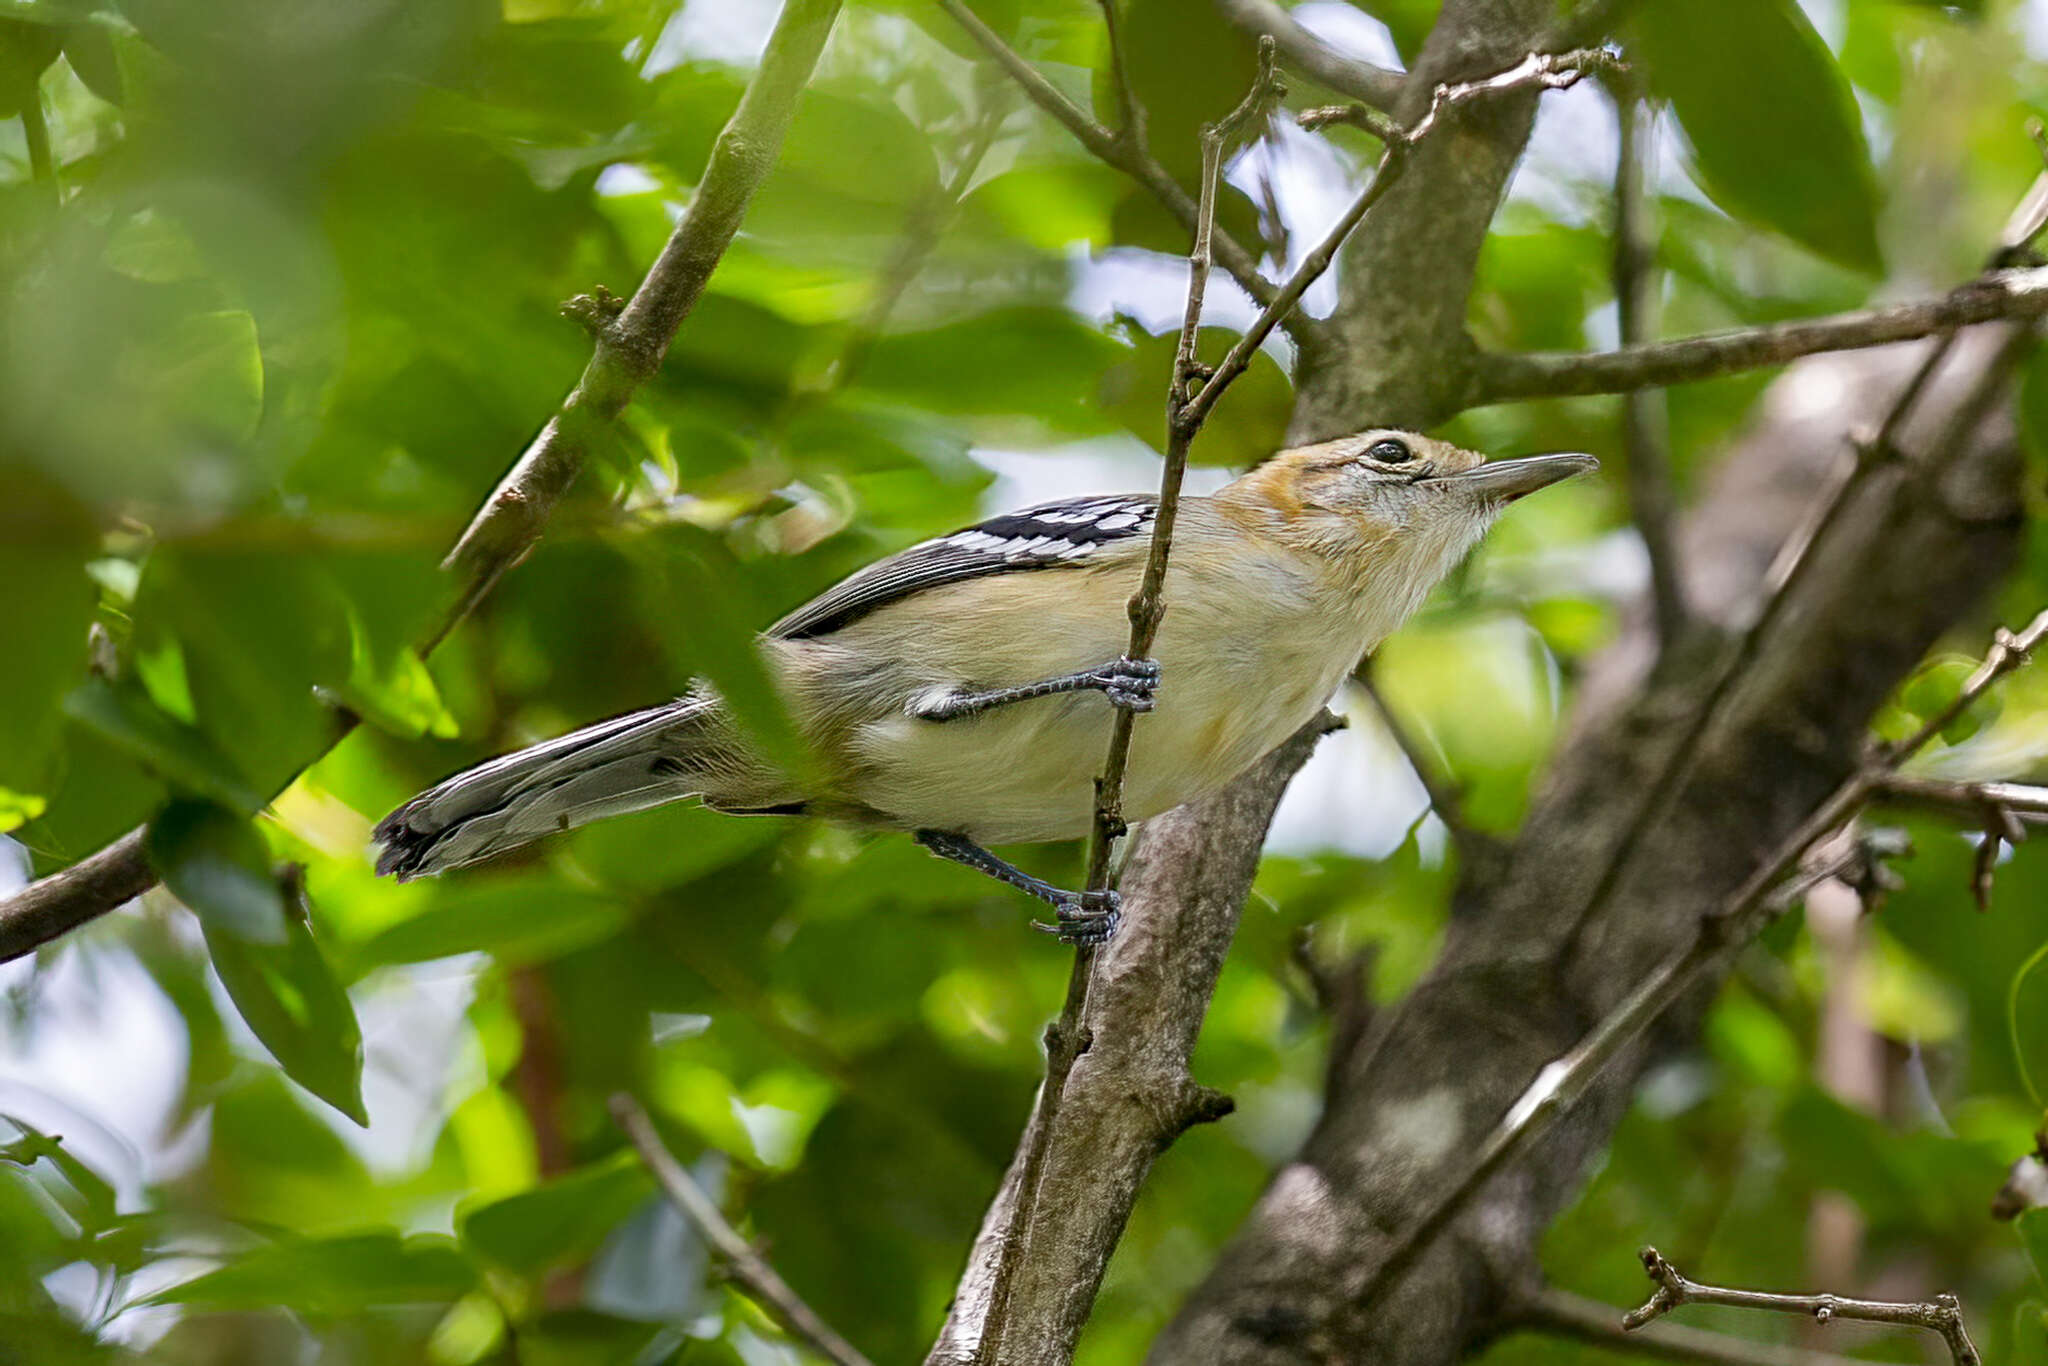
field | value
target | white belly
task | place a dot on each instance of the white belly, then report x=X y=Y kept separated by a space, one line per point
x=1025 y=772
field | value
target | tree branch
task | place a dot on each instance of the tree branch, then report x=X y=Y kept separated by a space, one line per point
x=628 y=351
x=1122 y=153
x=747 y=1266
x=1506 y=377
x=1566 y=1315
x=1129 y=1094
x=1310 y=55
x=1193 y=393
x=1537 y=71
x=1943 y=1315
x=1068 y=1037
x=1645 y=430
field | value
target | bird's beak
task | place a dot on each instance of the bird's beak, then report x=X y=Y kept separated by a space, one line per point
x=1503 y=481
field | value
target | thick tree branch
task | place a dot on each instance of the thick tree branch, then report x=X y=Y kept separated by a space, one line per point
x=1503 y=377
x=1310 y=55
x=1943 y=1315
x=1129 y=1094
x=748 y=1267
x=629 y=350
x=1566 y=1315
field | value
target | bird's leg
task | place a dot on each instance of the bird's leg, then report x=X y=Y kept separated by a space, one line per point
x=1084 y=917
x=1132 y=684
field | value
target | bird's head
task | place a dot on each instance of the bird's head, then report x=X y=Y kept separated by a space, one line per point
x=1387 y=493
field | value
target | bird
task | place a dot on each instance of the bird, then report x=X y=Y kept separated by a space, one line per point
x=964 y=689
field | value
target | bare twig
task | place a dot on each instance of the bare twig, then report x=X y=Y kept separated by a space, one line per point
x=511 y=519
x=1644 y=427
x=1544 y=71
x=1503 y=378
x=1752 y=906
x=1120 y=153
x=1942 y=1315
x=1314 y=58
x=760 y=1280
x=1128 y=108
x=1566 y=1315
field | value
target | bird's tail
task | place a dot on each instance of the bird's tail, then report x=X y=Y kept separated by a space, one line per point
x=629 y=763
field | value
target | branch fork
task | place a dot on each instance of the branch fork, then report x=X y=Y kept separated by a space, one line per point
x=1942 y=1315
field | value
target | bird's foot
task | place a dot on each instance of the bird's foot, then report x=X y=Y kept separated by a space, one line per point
x=1083 y=918
x=1132 y=684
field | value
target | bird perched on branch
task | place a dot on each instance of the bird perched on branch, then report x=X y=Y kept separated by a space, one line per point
x=964 y=689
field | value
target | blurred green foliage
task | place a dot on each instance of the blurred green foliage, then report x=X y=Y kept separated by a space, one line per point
x=283 y=308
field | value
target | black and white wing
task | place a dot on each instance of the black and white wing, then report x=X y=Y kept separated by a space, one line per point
x=1042 y=537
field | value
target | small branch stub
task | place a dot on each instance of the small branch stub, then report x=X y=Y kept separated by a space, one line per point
x=595 y=312
x=1942 y=1315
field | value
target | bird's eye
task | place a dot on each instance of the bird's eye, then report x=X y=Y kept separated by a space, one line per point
x=1390 y=452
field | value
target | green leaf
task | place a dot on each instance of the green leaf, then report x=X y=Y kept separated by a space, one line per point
x=1776 y=136
x=2033 y=1227
x=90 y=50
x=517 y=921
x=2019 y=1035
x=210 y=372
x=26 y=48
x=215 y=861
x=683 y=563
x=332 y=1277
x=94 y=1203
x=1188 y=66
x=292 y=1001
x=559 y=1222
x=1037 y=362
x=178 y=753
x=45 y=609
x=1249 y=423
x=19 y=808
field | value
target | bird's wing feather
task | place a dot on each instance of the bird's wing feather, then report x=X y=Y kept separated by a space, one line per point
x=1072 y=532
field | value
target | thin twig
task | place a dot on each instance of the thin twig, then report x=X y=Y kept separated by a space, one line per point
x=1942 y=1315
x=1310 y=55
x=760 y=1280
x=1752 y=906
x=511 y=519
x=1542 y=71
x=1566 y=1315
x=1121 y=154
x=1644 y=423
x=1128 y=108
x=1499 y=377
x=35 y=131
x=1440 y=787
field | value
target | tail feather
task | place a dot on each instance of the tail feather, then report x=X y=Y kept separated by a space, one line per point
x=629 y=763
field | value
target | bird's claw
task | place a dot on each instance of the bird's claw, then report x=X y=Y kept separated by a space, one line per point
x=1084 y=918
x=1132 y=684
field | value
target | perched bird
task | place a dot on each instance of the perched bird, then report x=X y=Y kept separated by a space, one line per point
x=964 y=689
